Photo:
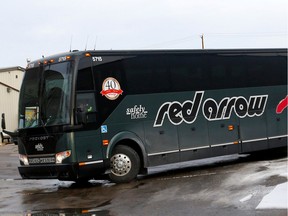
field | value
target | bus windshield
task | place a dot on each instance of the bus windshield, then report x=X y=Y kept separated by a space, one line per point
x=45 y=96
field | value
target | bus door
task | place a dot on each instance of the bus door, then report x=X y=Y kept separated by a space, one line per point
x=88 y=141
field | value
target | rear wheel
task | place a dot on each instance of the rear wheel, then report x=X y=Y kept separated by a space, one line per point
x=124 y=164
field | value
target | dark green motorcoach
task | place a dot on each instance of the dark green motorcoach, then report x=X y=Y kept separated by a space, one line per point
x=86 y=113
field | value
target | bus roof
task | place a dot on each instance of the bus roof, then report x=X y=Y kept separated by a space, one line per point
x=75 y=53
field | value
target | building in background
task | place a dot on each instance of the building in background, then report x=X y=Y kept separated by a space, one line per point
x=10 y=83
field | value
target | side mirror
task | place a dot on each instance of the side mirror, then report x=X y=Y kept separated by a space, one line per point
x=3 y=123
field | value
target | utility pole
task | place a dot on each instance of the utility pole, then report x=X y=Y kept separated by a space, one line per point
x=202 y=39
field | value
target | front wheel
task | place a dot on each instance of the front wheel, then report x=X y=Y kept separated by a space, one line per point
x=124 y=164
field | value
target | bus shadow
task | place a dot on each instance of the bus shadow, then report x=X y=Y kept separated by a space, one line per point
x=271 y=154
x=68 y=212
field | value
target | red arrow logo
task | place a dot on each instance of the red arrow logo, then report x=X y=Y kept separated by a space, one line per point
x=282 y=105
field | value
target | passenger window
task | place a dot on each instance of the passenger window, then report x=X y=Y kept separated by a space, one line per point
x=188 y=72
x=147 y=74
x=85 y=78
x=85 y=103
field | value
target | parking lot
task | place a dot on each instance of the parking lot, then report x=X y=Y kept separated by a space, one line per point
x=228 y=185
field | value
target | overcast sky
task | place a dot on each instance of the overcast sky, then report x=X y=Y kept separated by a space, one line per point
x=32 y=28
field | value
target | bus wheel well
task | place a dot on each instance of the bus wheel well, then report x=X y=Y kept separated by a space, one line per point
x=132 y=144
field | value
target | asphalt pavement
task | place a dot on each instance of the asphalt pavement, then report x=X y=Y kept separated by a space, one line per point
x=230 y=185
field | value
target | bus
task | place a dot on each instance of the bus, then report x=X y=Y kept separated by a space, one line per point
x=83 y=114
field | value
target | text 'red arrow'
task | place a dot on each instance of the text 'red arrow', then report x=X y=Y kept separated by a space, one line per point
x=282 y=105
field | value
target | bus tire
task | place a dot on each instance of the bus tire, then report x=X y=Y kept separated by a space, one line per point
x=124 y=164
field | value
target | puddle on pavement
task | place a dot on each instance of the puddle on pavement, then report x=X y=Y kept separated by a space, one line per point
x=65 y=189
x=67 y=193
x=262 y=168
x=92 y=194
x=274 y=180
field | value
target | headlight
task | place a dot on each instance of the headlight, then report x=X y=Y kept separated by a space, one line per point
x=61 y=156
x=24 y=159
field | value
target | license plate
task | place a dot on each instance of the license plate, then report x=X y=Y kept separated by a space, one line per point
x=46 y=160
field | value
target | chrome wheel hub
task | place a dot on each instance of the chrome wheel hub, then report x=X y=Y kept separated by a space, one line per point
x=120 y=164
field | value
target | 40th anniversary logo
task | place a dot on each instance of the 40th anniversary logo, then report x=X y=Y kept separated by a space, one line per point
x=111 y=88
x=212 y=110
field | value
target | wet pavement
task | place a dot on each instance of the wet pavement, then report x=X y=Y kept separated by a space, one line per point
x=228 y=185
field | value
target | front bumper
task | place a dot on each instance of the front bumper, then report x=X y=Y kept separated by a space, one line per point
x=61 y=172
x=68 y=172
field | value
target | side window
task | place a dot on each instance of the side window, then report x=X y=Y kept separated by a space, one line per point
x=218 y=72
x=257 y=71
x=110 y=68
x=84 y=78
x=147 y=74
x=228 y=71
x=189 y=72
x=236 y=74
x=85 y=92
x=267 y=70
x=85 y=102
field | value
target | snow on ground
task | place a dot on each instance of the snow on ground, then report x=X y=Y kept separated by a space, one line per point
x=277 y=198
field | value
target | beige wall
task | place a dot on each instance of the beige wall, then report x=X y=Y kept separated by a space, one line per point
x=9 y=96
